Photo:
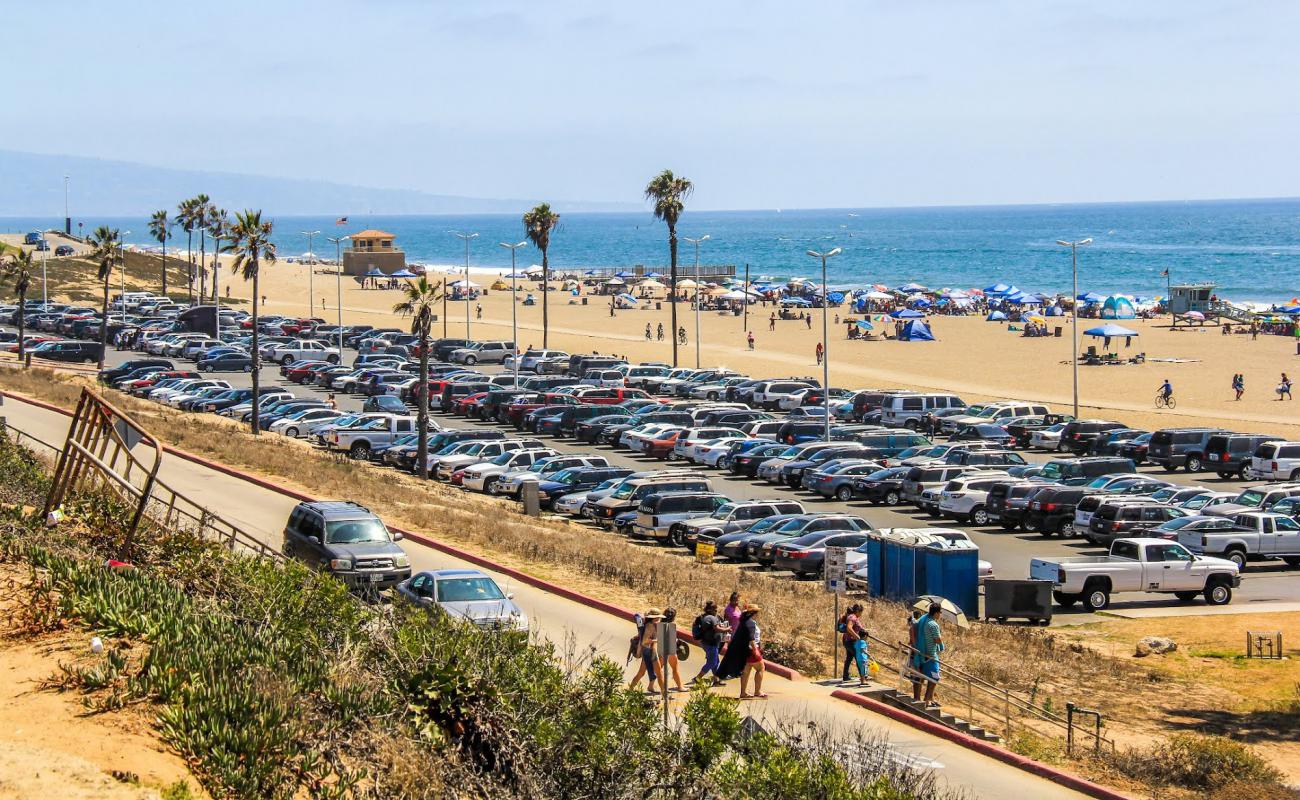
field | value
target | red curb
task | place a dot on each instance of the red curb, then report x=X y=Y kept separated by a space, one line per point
x=982 y=747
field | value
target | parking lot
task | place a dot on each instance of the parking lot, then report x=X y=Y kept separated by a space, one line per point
x=1267 y=585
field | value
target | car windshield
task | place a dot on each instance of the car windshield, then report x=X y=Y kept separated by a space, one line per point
x=354 y=531
x=1176 y=524
x=1250 y=497
x=624 y=491
x=564 y=476
x=454 y=447
x=809 y=539
x=793 y=525
x=503 y=459
x=724 y=510
x=374 y=425
x=468 y=590
x=1050 y=471
x=791 y=452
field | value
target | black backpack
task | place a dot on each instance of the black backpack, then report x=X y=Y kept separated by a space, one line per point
x=701 y=630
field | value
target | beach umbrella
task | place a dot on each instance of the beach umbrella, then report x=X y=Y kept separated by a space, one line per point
x=715 y=291
x=1110 y=329
x=995 y=316
x=948 y=611
x=795 y=301
x=997 y=288
x=907 y=313
x=920 y=301
x=534 y=269
x=687 y=284
x=616 y=281
x=465 y=284
x=734 y=295
x=308 y=254
x=654 y=275
x=651 y=283
x=909 y=288
x=627 y=298
x=865 y=325
x=835 y=297
x=403 y=273
x=875 y=295
x=375 y=272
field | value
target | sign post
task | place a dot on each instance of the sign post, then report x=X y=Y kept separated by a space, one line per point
x=834 y=575
x=667 y=641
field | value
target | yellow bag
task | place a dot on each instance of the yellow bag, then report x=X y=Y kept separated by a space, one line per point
x=873 y=669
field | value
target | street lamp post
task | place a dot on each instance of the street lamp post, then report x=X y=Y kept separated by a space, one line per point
x=311 y=272
x=514 y=323
x=216 y=272
x=121 y=246
x=826 y=350
x=338 y=280
x=67 y=218
x=1074 y=314
x=466 y=237
x=45 y=293
x=696 y=242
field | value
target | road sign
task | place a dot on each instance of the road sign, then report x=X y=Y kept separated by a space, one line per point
x=704 y=552
x=836 y=568
x=667 y=639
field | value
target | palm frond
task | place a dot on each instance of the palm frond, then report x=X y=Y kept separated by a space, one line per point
x=107 y=246
x=421 y=299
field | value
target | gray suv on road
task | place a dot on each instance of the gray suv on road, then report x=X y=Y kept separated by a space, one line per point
x=347 y=541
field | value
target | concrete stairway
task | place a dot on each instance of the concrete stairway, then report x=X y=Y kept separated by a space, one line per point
x=905 y=702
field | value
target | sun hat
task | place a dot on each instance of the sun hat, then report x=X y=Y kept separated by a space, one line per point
x=654 y=613
x=754 y=607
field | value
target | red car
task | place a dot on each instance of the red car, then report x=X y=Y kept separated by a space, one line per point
x=520 y=406
x=144 y=383
x=297 y=371
x=603 y=396
x=462 y=406
x=303 y=325
x=661 y=446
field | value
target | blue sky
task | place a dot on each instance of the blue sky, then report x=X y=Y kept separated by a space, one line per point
x=763 y=104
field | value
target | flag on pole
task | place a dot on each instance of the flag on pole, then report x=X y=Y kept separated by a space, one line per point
x=1165 y=274
x=341 y=221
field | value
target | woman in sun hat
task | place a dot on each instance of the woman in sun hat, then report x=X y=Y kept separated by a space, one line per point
x=745 y=654
x=645 y=641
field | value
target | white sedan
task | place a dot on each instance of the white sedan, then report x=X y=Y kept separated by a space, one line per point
x=1047 y=438
x=302 y=423
x=708 y=453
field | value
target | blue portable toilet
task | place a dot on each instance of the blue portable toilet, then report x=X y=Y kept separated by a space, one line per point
x=905 y=563
x=951 y=572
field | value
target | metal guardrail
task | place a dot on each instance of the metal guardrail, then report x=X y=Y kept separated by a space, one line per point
x=992 y=698
x=155 y=500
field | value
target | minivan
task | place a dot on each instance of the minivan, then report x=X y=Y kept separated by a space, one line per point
x=904 y=410
x=1230 y=454
x=1078 y=471
x=1277 y=461
x=629 y=496
x=1172 y=448
x=75 y=352
x=657 y=512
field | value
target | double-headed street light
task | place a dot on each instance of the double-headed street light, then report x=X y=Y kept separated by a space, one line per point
x=826 y=329
x=514 y=322
x=696 y=242
x=311 y=271
x=466 y=237
x=338 y=280
x=121 y=246
x=1074 y=313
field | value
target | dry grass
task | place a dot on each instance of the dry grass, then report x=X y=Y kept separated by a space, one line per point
x=73 y=279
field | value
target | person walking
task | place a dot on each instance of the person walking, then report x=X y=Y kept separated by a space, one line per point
x=854 y=638
x=647 y=332
x=744 y=658
x=1284 y=388
x=644 y=645
x=333 y=403
x=808 y=319
x=929 y=641
x=771 y=322
x=708 y=630
x=914 y=655
x=821 y=351
x=478 y=311
x=1239 y=384
x=660 y=332
x=750 y=338
x=731 y=614
x=681 y=334
x=671 y=663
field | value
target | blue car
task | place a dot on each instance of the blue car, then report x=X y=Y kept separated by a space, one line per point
x=227 y=362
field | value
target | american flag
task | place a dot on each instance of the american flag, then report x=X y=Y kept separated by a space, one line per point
x=341 y=221
x=1165 y=274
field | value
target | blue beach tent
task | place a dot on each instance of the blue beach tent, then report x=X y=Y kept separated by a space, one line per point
x=1054 y=311
x=907 y=313
x=402 y=273
x=1110 y=330
x=1117 y=307
x=375 y=272
x=1092 y=297
x=917 y=331
x=995 y=316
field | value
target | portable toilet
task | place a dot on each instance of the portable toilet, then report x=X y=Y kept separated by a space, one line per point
x=951 y=570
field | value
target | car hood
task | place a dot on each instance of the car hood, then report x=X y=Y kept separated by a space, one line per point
x=486 y=612
x=365 y=549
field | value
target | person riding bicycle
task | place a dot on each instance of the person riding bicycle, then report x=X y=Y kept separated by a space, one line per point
x=1166 y=391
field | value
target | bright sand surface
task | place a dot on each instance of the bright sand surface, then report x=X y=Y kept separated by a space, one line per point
x=978 y=360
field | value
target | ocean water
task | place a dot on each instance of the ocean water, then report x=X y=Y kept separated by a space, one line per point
x=1250 y=248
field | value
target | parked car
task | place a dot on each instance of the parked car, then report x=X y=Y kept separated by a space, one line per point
x=1277 y=461
x=347 y=541
x=465 y=594
x=1126 y=519
x=1078 y=436
x=1174 y=448
x=1252 y=535
x=1137 y=565
x=1230 y=454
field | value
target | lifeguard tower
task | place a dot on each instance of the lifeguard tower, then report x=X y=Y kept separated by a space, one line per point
x=372 y=249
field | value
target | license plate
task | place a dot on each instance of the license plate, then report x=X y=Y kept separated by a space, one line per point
x=376 y=578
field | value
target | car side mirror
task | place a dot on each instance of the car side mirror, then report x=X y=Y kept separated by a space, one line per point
x=510 y=596
x=314 y=539
x=397 y=536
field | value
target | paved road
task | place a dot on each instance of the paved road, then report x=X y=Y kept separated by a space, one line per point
x=1268 y=586
x=263 y=512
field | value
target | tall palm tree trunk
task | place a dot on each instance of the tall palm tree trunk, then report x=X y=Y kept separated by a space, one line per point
x=546 y=285
x=672 y=270
x=203 y=268
x=257 y=360
x=422 y=417
x=103 y=323
x=164 y=269
x=189 y=255
x=22 y=323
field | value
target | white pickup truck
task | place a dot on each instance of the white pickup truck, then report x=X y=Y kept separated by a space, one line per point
x=1137 y=565
x=359 y=441
x=1254 y=534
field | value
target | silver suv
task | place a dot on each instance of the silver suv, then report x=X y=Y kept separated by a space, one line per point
x=347 y=541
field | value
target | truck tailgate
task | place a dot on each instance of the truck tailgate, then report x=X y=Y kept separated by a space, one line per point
x=1043 y=569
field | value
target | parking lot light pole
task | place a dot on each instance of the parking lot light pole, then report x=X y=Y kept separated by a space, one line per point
x=1074 y=314
x=466 y=237
x=311 y=273
x=338 y=281
x=514 y=322
x=696 y=242
x=826 y=328
x=121 y=246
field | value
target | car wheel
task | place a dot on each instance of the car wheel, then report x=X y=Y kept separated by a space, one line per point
x=1193 y=464
x=1008 y=525
x=293 y=432
x=1237 y=557
x=1169 y=468
x=287 y=360
x=844 y=494
x=207 y=368
x=1291 y=561
x=1066 y=530
x=1226 y=475
x=891 y=498
x=248 y=368
x=1186 y=597
x=1295 y=475
x=911 y=425
x=470 y=361
x=979 y=516
x=1246 y=473
x=1218 y=593
x=359 y=451
x=332 y=359
x=1096 y=598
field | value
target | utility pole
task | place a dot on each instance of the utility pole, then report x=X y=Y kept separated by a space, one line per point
x=465 y=237
x=1074 y=314
x=311 y=273
x=696 y=242
x=338 y=281
x=826 y=350
x=514 y=314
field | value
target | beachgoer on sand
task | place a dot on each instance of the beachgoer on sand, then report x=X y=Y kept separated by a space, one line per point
x=821 y=352
x=647 y=332
x=751 y=340
x=808 y=319
x=659 y=332
x=1239 y=384
x=771 y=323
x=1284 y=388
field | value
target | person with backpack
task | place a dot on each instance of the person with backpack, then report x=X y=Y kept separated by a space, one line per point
x=854 y=638
x=671 y=663
x=708 y=630
x=644 y=646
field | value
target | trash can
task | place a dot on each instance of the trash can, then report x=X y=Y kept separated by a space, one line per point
x=1019 y=599
x=1057 y=330
x=584 y=301
x=659 y=307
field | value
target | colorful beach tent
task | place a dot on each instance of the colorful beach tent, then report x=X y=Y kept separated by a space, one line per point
x=995 y=316
x=916 y=331
x=1110 y=330
x=1118 y=307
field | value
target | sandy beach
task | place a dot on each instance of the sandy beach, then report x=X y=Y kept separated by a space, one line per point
x=977 y=359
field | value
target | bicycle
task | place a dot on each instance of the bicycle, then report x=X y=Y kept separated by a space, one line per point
x=1165 y=402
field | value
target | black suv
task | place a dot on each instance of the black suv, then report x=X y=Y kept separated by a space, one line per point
x=1229 y=454
x=1172 y=448
x=347 y=541
x=1124 y=519
x=1052 y=510
x=1077 y=436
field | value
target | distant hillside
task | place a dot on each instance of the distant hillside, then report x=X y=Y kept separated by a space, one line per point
x=33 y=186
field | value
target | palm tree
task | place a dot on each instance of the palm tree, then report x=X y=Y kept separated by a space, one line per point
x=108 y=252
x=250 y=242
x=203 y=209
x=19 y=272
x=187 y=218
x=538 y=224
x=161 y=229
x=669 y=191
x=218 y=229
x=421 y=303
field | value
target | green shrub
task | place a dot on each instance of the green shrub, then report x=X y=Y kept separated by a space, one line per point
x=1192 y=761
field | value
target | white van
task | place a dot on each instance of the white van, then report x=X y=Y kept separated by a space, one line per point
x=1277 y=461
x=905 y=409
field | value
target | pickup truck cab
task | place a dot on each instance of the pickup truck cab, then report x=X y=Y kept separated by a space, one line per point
x=359 y=441
x=1252 y=535
x=1137 y=565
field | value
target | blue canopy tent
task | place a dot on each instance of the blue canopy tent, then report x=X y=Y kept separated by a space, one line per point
x=921 y=302
x=1091 y=297
x=996 y=289
x=402 y=273
x=795 y=301
x=1118 y=307
x=909 y=288
x=375 y=272
x=916 y=331
x=1109 y=330
x=907 y=313
x=996 y=316
x=622 y=273
x=1054 y=311
x=653 y=275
